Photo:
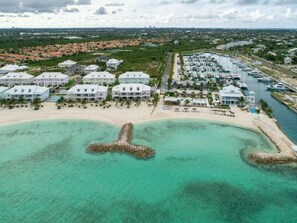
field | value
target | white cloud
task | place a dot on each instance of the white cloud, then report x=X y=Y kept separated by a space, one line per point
x=160 y=13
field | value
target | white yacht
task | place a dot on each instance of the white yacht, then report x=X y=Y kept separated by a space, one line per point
x=277 y=87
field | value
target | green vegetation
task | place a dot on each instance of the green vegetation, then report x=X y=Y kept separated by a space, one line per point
x=81 y=58
x=150 y=60
x=69 y=84
x=266 y=108
x=156 y=99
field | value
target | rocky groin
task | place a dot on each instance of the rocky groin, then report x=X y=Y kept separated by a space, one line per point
x=284 y=152
x=124 y=145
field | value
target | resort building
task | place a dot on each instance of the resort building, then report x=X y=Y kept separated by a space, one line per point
x=230 y=95
x=12 y=68
x=51 y=79
x=131 y=91
x=91 y=68
x=87 y=92
x=28 y=92
x=99 y=78
x=113 y=64
x=66 y=64
x=20 y=78
x=2 y=91
x=134 y=78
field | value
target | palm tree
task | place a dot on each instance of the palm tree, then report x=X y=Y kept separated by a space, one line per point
x=128 y=103
x=184 y=94
x=241 y=101
x=83 y=102
x=187 y=102
x=21 y=101
x=78 y=101
x=11 y=102
x=60 y=101
x=258 y=110
x=156 y=99
x=36 y=103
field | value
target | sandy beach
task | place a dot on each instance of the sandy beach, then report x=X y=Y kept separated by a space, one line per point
x=118 y=116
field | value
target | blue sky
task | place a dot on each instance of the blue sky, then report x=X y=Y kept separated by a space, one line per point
x=160 y=13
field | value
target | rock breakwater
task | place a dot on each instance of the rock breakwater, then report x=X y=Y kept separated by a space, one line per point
x=284 y=152
x=124 y=145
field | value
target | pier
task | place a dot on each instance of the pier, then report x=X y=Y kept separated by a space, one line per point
x=124 y=145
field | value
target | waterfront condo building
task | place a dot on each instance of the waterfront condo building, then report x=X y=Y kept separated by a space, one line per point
x=87 y=92
x=99 y=78
x=51 y=79
x=134 y=78
x=27 y=92
x=230 y=95
x=18 y=78
x=131 y=91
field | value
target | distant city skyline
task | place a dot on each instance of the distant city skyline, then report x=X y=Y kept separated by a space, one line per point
x=159 y=13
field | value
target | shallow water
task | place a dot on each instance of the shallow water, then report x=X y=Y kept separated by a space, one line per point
x=198 y=175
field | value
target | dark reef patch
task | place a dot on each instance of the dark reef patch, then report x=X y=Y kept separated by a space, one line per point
x=230 y=203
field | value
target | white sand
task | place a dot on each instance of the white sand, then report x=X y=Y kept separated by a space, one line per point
x=121 y=115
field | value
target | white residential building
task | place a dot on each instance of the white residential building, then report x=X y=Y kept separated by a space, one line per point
x=51 y=79
x=20 y=78
x=2 y=91
x=12 y=68
x=288 y=60
x=91 y=68
x=27 y=92
x=134 y=78
x=230 y=95
x=66 y=64
x=99 y=78
x=131 y=91
x=113 y=64
x=87 y=92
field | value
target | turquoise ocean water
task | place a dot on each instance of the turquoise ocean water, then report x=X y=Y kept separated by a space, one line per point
x=198 y=175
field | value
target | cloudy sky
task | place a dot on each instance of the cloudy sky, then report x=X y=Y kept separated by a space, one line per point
x=140 y=13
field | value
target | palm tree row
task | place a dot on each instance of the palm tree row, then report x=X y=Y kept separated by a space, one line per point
x=11 y=103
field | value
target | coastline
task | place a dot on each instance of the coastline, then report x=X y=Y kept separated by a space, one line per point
x=118 y=116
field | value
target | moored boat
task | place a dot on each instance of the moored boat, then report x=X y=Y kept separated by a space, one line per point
x=277 y=87
x=265 y=79
x=242 y=85
x=235 y=76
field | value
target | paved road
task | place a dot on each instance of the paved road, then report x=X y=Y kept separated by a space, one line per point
x=276 y=67
x=165 y=78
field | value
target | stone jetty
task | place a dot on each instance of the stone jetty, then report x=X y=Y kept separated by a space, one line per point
x=284 y=152
x=123 y=145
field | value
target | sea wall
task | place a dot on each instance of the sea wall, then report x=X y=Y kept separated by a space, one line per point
x=123 y=145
